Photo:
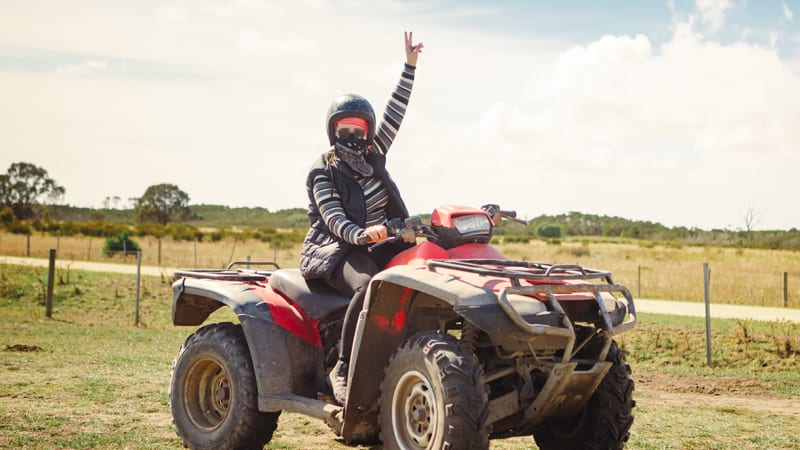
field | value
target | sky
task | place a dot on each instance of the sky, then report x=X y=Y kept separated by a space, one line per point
x=678 y=112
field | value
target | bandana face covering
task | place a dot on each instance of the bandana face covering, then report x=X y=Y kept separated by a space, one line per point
x=352 y=151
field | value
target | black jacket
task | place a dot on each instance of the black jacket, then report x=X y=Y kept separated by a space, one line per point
x=322 y=250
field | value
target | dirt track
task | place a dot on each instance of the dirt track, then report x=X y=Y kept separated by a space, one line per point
x=661 y=389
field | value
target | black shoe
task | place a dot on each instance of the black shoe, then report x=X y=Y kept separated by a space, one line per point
x=338 y=378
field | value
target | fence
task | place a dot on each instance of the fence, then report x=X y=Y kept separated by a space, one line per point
x=164 y=252
x=753 y=277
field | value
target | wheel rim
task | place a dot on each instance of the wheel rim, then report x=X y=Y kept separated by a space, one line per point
x=207 y=394
x=414 y=414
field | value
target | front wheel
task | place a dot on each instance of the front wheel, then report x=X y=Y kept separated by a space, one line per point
x=213 y=393
x=605 y=422
x=433 y=396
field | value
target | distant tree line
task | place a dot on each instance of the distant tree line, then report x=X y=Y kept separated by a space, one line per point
x=576 y=224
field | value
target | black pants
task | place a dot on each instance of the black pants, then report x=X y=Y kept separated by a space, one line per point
x=351 y=278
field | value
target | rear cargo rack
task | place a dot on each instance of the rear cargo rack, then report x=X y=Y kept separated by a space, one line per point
x=228 y=274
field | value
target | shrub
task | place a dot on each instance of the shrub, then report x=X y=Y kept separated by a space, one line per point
x=19 y=228
x=119 y=243
x=7 y=215
x=549 y=231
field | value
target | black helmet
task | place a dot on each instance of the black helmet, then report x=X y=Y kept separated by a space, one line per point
x=350 y=105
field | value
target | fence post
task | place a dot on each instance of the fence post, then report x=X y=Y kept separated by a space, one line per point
x=28 y=245
x=706 y=282
x=138 y=282
x=159 y=252
x=51 y=274
x=785 y=289
x=640 y=282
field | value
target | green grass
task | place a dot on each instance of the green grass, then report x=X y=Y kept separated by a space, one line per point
x=87 y=378
x=766 y=351
x=723 y=428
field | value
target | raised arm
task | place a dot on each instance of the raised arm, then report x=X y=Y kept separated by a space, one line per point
x=398 y=102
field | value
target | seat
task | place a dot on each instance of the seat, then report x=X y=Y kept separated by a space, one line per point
x=314 y=297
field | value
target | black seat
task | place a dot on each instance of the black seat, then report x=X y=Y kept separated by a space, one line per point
x=314 y=297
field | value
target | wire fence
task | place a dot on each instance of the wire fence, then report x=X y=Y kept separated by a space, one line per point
x=752 y=277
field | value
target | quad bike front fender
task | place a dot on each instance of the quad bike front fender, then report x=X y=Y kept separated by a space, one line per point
x=403 y=301
x=287 y=358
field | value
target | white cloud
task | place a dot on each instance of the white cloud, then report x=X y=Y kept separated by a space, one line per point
x=787 y=13
x=712 y=12
x=171 y=12
x=86 y=68
x=621 y=124
x=621 y=120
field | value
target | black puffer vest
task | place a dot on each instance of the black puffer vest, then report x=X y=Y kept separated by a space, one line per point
x=322 y=250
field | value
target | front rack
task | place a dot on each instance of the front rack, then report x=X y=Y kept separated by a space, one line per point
x=557 y=275
x=521 y=270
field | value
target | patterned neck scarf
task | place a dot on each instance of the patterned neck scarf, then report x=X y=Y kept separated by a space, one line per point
x=352 y=152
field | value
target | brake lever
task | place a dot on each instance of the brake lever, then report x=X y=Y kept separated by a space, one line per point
x=383 y=242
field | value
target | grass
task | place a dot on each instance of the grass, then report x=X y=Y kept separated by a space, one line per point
x=87 y=378
x=659 y=427
x=666 y=271
x=739 y=276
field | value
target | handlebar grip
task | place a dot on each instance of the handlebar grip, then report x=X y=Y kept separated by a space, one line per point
x=364 y=240
x=511 y=214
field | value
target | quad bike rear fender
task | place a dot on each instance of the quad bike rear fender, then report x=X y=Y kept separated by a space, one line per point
x=287 y=360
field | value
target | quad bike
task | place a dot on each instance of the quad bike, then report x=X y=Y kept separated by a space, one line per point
x=456 y=345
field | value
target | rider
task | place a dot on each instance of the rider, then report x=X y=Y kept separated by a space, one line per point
x=351 y=196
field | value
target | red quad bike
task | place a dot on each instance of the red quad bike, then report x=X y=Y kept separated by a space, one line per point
x=456 y=345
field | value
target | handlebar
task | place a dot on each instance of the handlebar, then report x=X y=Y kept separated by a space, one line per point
x=498 y=214
x=409 y=229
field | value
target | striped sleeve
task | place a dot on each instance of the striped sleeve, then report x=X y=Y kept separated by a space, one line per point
x=332 y=211
x=395 y=110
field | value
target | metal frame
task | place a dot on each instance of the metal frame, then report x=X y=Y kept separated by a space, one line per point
x=228 y=274
x=516 y=271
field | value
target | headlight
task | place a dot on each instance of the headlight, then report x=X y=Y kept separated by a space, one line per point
x=526 y=306
x=473 y=224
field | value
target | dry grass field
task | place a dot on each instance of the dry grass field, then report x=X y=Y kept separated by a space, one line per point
x=88 y=378
x=741 y=276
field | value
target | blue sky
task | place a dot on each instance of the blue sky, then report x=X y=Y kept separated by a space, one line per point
x=679 y=112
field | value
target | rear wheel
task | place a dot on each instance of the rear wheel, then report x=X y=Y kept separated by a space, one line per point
x=605 y=422
x=213 y=393
x=433 y=397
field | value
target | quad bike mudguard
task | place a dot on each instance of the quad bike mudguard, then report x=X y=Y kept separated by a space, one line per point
x=289 y=353
x=404 y=300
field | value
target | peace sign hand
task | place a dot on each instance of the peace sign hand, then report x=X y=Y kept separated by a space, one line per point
x=412 y=51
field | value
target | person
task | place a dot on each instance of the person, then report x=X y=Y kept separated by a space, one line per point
x=351 y=197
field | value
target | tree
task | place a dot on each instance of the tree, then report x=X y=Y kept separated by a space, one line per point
x=22 y=186
x=751 y=219
x=163 y=203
